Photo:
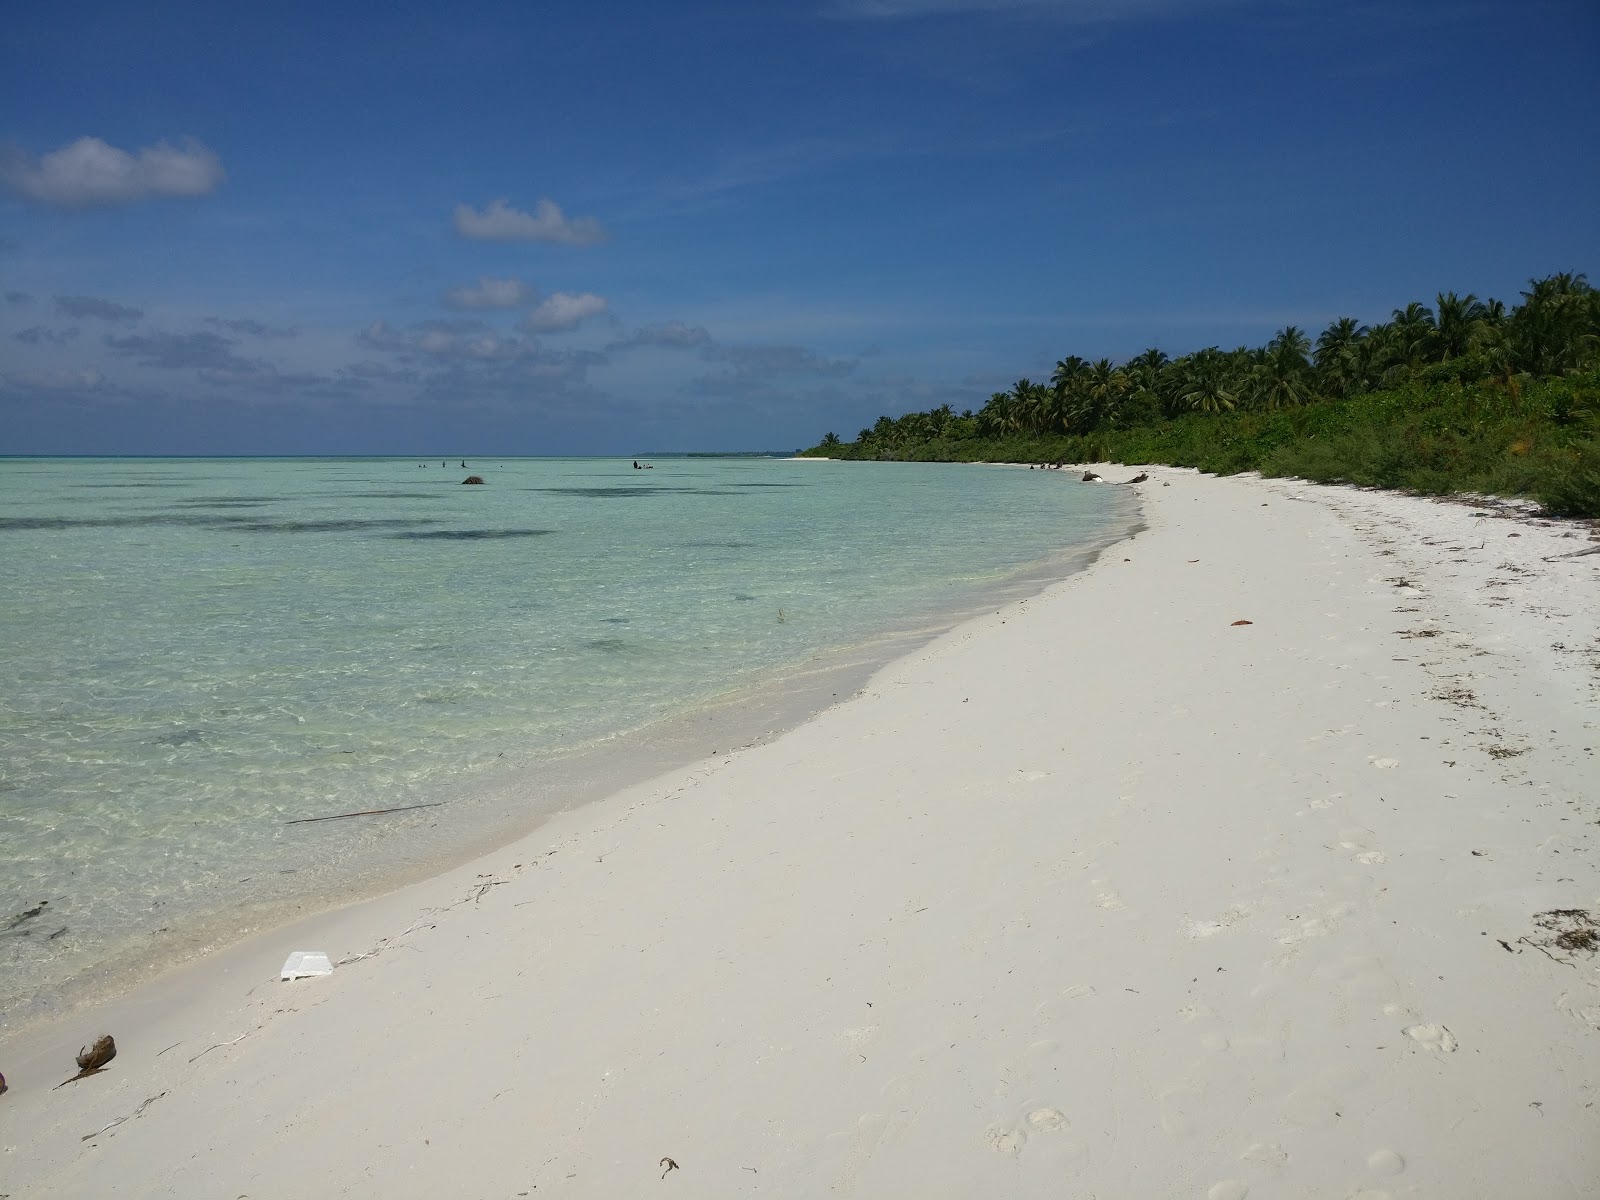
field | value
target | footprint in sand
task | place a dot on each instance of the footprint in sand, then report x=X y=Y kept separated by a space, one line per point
x=1386 y=764
x=1589 y=1014
x=1385 y=1162
x=1268 y=1155
x=1205 y=929
x=1106 y=897
x=1181 y=1110
x=1372 y=858
x=1005 y=1141
x=1047 y=1120
x=1056 y=1007
x=1432 y=1037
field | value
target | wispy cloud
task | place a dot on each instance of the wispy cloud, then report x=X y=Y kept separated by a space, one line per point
x=175 y=351
x=490 y=294
x=38 y=335
x=253 y=328
x=563 y=311
x=93 y=306
x=762 y=362
x=499 y=222
x=463 y=340
x=467 y=362
x=91 y=173
x=51 y=381
x=744 y=170
x=671 y=335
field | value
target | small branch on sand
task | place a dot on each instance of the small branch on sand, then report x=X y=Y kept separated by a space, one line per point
x=370 y=812
x=113 y=1124
x=420 y=923
x=1547 y=954
x=1575 y=553
x=479 y=890
x=220 y=1045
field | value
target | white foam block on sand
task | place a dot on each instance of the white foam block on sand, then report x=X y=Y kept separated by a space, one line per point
x=305 y=964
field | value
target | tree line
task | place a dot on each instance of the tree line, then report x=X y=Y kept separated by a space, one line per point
x=1531 y=372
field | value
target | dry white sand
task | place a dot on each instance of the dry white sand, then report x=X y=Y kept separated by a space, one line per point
x=1101 y=895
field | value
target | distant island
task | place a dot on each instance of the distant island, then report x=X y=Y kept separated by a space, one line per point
x=1463 y=396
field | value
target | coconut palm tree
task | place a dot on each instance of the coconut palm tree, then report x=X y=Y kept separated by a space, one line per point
x=1414 y=334
x=1104 y=387
x=1556 y=329
x=1033 y=405
x=1459 y=323
x=1144 y=373
x=1281 y=374
x=1338 y=357
x=1152 y=360
x=996 y=418
x=1067 y=382
x=1205 y=383
x=1381 y=364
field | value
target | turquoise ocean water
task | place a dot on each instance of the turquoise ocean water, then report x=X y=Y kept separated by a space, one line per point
x=194 y=652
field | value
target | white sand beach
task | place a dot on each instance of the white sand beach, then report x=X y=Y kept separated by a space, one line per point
x=1105 y=894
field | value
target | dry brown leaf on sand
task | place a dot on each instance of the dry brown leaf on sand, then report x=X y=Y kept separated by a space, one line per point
x=1244 y=622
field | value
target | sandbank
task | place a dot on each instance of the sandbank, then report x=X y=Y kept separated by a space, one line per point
x=1106 y=893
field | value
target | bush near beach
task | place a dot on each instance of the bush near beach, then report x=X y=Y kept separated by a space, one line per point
x=1463 y=396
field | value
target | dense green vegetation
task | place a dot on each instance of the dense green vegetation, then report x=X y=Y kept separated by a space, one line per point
x=1466 y=396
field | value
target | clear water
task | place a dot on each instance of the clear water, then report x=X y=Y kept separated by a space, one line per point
x=194 y=652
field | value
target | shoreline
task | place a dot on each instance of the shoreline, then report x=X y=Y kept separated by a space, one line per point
x=1101 y=888
x=512 y=805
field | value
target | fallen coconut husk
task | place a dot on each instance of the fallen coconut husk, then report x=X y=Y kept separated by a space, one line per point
x=93 y=1059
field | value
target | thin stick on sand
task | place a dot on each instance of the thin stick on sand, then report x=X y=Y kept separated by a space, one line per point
x=371 y=812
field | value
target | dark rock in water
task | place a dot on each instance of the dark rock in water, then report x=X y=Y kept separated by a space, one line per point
x=473 y=479
x=1090 y=477
x=1139 y=478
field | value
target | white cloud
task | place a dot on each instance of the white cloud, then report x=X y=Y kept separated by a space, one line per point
x=491 y=293
x=499 y=222
x=52 y=381
x=674 y=335
x=562 y=311
x=461 y=340
x=91 y=173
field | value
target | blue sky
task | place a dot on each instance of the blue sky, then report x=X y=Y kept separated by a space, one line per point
x=631 y=227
